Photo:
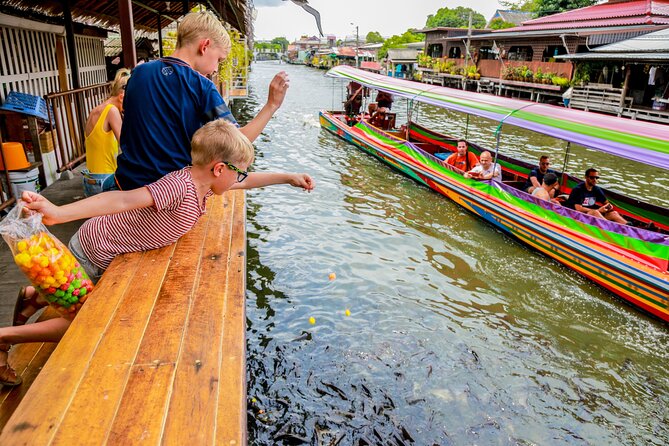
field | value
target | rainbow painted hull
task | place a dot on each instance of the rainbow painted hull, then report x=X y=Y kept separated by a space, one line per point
x=629 y=262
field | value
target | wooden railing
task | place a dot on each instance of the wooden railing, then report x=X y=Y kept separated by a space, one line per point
x=68 y=110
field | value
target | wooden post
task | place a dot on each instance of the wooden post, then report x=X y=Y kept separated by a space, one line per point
x=623 y=94
x=160 y=36
x=127 y=34
x=62 y=66
x=71 y=45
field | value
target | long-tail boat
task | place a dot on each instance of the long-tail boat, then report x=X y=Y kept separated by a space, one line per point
x=631 y=261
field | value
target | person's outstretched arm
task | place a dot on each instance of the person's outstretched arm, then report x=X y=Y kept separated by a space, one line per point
x=262 y=179
x=106 y=203
x=277 y=93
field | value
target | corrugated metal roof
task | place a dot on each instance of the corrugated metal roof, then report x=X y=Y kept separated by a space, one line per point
x=657 y=41
x=627 y=21
x=520 y=31
x=648 y=47
x=515 y=17
x=609 y=10
x=105 y=14
x=613 y=13
x=369 y=65
x=641 y=57
x=403 y=54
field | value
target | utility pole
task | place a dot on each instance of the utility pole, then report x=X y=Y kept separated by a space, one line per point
x=357 y=46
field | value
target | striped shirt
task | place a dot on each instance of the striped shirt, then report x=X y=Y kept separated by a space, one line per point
x=175 y=211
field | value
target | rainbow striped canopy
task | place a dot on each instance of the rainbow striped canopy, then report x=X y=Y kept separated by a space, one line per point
x=640 y=141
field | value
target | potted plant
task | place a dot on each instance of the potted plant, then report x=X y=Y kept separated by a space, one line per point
x=560 y=81
x=539 y=76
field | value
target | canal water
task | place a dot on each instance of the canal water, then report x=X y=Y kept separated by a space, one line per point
x=457 y=334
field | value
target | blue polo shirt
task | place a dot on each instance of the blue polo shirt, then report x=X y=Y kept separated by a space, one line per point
x=165 y=102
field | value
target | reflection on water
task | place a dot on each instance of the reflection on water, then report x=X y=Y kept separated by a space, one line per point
x=457 y=333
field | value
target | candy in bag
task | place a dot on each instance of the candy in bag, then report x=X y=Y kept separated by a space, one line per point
x=49 y=265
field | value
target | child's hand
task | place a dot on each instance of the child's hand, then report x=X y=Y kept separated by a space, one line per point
x=277 y=90
x=302 y=180
x=36 y=202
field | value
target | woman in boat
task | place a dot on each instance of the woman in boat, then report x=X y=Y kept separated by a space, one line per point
x=103 y=133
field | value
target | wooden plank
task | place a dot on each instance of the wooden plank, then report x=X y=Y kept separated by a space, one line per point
x=37 y=355
x=34 y=421
x=140 y=414
x=191 y=414
x=101 y=387
x=231 y=413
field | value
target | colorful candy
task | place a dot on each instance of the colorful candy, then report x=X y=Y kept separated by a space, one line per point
x=54 y=271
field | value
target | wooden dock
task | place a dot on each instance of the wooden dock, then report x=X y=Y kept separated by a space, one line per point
x=157 y=354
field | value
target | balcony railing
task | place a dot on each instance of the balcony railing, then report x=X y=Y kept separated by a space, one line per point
x=69 y=110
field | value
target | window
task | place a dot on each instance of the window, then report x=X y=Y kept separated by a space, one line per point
x=435 y=50
x=551 y=51
x=520 y=53
x=486 y=53
x=454 y=52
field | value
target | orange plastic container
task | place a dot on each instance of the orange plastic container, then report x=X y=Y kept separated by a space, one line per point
x=15 y=156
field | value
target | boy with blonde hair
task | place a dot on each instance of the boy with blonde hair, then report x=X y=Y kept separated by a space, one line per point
x=147 y=218
x=168 y=99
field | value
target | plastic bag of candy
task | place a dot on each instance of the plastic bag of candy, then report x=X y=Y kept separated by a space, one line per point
x=48 y=264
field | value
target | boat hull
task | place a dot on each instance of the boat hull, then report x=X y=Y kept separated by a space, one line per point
x=645 y=286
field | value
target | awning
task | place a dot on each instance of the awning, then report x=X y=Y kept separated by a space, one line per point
x=644 y=142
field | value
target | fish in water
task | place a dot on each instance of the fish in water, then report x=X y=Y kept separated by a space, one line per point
x=305 y=5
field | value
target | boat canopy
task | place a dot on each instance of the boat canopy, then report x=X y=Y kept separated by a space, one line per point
x=640 y=141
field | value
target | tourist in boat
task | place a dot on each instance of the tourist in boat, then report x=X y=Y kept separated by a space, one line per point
x=353 y=99
x=537 y=175
x=170 y=98
x=384 y=101
x=546 y=190
x=485 y=170
x=585 y=196
x=463 y=159
x=103 y=133
x=146 y=218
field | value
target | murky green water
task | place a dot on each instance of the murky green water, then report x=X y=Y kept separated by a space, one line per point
x=457 y=333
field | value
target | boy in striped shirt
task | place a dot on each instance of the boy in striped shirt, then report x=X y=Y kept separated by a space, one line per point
x=147 y=218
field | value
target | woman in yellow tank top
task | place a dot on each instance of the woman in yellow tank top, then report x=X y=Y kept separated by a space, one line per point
x=103 y=132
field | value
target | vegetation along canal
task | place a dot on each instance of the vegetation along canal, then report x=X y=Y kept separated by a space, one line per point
x=457 y=334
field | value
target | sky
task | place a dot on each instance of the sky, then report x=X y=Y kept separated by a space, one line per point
x=281 y=18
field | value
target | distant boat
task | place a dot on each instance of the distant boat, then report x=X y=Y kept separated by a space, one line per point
x=629 y=261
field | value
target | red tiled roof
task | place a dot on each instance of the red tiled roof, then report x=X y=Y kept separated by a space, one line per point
x=613 y=13
x=372 y=66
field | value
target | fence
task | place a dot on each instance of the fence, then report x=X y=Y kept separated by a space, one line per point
x=28 y=61
x=69 y=111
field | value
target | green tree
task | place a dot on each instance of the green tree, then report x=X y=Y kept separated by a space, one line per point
x=549 y=7
x=400 y=41
x=500 y=24
x=520 y=5
x=455 y=18
x=281 y=41
x=374 y=37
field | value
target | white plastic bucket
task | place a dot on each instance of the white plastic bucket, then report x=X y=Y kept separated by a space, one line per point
x=21 y=181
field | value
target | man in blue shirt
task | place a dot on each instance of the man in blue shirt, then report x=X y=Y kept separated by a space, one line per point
x=585 y=197
x=167 y=100
x=537 y=175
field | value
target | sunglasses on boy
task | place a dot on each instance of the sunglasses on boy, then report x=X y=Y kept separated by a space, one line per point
x=241 y=174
